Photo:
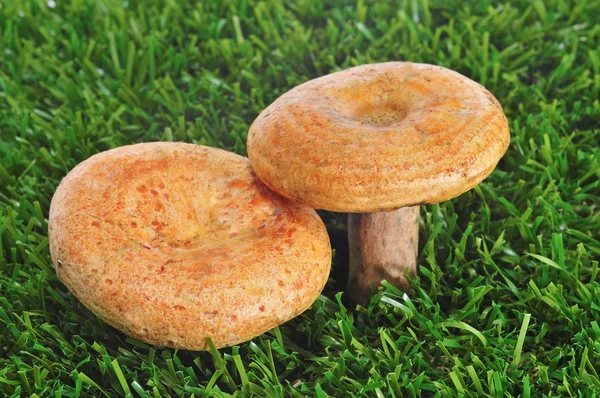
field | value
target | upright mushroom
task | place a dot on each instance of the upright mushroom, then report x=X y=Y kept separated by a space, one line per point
x=377 y=141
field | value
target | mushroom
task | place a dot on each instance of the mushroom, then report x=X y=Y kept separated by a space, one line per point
x=175 y=243
x=377 y=141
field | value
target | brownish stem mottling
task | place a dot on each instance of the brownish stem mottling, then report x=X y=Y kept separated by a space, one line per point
x=382 y=246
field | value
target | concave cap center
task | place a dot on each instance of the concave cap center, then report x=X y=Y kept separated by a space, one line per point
x=378 y=115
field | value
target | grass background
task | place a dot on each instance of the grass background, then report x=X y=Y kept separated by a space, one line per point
x=507 y=300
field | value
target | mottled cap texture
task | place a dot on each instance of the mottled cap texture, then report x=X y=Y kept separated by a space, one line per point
x=175 y=243
x=379 y=137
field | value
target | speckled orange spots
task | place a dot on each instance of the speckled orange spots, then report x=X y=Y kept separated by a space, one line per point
x=179 y=307
x=237 y=183
x=95 y=224
x=256 y=200
x=142 y=189
x=261 y=308
x=157 y=226
x=133 y=224
x=154 y=192
x=109 y=282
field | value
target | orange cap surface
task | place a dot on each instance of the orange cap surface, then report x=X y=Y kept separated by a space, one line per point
x=174 y=243
x=379 y=137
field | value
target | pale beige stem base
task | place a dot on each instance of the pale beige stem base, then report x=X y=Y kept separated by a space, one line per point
x=382 y=246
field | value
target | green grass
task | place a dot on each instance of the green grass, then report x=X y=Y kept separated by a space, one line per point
x=507 y=300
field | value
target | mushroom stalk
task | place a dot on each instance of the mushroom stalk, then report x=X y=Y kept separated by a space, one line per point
x=382 y=245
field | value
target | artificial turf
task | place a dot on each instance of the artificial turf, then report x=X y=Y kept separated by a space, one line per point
x=507 y=297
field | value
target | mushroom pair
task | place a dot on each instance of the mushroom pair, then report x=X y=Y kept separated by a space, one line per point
x=175 y=243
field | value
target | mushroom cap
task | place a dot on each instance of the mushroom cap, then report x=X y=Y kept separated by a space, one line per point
x=379 y=137
x=174 y=243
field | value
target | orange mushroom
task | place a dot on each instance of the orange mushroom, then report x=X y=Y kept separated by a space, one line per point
x=377 y=141
x=175 y=243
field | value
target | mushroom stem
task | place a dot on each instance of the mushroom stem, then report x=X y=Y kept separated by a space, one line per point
x=382 y=246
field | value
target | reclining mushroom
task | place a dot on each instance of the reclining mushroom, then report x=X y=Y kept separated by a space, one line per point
x=176 y=243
